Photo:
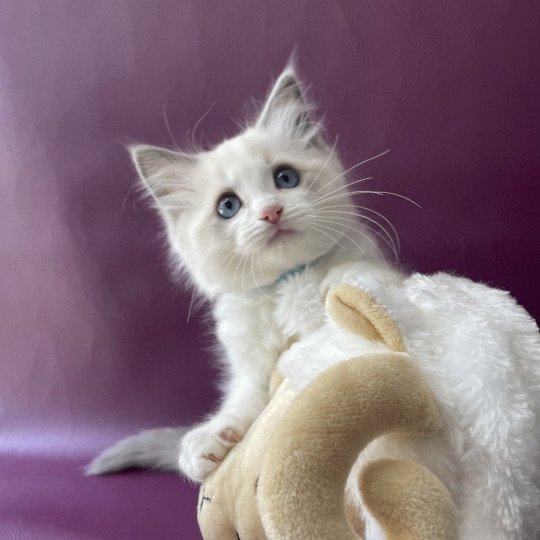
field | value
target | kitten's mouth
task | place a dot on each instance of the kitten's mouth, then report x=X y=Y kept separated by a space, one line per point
x=279 y=234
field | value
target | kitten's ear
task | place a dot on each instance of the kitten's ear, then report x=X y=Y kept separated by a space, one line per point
x=287 y=111
x=166 y=175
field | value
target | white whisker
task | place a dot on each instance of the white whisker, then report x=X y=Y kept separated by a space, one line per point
x=229 y=260
x=388 y=238
x=354 y=167
x=395 y=195
x=396 y=235
x=190 y=305
x=324 y=165
x=128 y=193
x=342 y=234
x=312 y=226
x=345 y=186
x=362 y=192
x=197 y=124
x=351 y=206
x=168 y=127
x=358 y=231
x=243 y=272
x=237 y=267
x=262 y=291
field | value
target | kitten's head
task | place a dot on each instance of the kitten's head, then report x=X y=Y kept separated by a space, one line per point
x=240 y=215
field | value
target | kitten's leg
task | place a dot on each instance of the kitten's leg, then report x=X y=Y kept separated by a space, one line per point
x=202 y=448
x=246 y=329
x=205 y=446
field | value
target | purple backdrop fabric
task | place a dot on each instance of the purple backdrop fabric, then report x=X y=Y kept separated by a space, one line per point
x=94 y=338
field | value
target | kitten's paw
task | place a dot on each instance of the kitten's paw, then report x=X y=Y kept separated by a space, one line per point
x=205 y=447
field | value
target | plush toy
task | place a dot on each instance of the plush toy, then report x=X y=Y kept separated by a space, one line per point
x=432 y=433
x=287 y=478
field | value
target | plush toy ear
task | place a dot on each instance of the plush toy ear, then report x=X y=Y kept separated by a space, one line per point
x=359 y=313
x=287 y=112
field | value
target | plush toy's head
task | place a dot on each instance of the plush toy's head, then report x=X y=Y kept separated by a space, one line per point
x=286 y=478
x=227 y=506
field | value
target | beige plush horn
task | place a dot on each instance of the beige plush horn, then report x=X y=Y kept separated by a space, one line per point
x=302 y=484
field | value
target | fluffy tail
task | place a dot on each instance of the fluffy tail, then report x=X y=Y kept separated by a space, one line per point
x=151 y=449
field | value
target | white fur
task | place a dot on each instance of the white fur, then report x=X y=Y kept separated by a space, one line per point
x=235 y=263
x=150 y=449
x=480 y=353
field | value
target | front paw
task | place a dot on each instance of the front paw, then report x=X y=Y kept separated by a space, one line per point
x=205 y=447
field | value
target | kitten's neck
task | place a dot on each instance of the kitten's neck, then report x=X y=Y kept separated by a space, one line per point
x=356 y=247
x=360 y=249
x=298 y=269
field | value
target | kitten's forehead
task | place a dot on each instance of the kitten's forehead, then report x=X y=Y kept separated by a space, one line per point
x=252 y=143
x=249 y=152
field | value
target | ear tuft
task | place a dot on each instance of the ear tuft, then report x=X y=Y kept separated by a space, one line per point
x=286 y=109
x=286 y=91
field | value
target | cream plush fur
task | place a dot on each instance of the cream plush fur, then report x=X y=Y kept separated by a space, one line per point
x=479 y=352
x=286 y=479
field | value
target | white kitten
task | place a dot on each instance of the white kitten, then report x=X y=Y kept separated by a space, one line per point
x=269 y=203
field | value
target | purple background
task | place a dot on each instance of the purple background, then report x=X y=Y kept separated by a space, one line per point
x=94 y=342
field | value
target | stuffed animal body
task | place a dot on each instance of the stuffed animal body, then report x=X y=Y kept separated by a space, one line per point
x=479 y=353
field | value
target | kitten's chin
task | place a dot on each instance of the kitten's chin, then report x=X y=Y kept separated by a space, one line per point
x=282 y=250
x=280 y=235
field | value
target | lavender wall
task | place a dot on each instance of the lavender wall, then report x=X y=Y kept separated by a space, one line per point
x=94 y=338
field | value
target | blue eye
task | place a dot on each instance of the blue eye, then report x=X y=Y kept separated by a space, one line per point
x=228 y=205
x=286 y=177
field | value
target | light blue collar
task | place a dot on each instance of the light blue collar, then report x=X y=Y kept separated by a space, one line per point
x=298 y=269
x=294 y=271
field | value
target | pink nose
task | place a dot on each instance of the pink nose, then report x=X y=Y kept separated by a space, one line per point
x=272 y=214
